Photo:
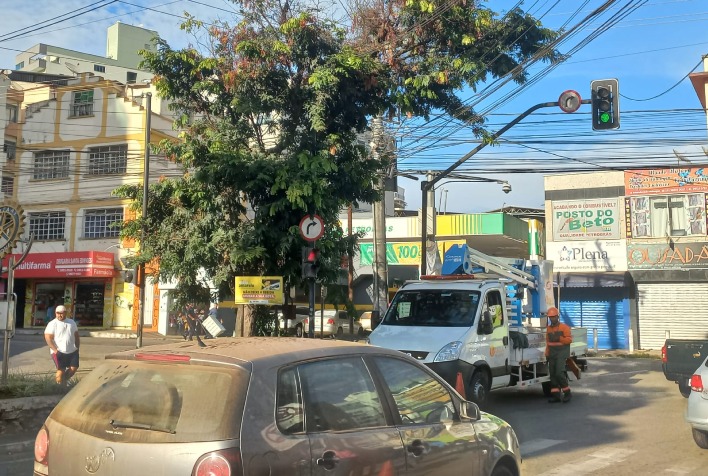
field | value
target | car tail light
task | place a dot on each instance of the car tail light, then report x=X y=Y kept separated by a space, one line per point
x=696 y=383
x=219 y=463
x=41 y=446
x=663 y=353
x=330 y=322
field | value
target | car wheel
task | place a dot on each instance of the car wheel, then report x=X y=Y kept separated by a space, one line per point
x=479 y=387
x=502 y=470
x=298 y=330
x=361 y=332
x=340 y=333
x=684 y=388
x=701 y=438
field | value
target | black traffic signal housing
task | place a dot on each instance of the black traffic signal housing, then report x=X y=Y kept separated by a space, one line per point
x=605 y=104
x=310 y=262
x=130 y=276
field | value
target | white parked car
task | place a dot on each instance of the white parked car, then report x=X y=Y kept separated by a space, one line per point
x=697 y=410
x=336 y=323
x=294 y=326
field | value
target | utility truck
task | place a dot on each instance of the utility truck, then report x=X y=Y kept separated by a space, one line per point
x=482 y=330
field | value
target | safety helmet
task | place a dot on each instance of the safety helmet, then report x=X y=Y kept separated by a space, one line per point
x=552 y=312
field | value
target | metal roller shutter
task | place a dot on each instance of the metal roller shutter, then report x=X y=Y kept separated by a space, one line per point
x=604 y=309
x=680 y=308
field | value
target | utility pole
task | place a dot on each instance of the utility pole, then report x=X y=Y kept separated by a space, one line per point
x=379 y=222
x=146 y=182
x=350 y=267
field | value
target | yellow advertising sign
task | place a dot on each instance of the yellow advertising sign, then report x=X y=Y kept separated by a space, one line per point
x=267 y=290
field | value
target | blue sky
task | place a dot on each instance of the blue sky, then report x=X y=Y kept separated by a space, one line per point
x=650 y=51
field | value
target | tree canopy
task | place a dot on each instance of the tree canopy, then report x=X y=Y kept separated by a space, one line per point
x=274 y=120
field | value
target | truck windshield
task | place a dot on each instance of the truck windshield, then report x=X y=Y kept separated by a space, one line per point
x=433 y=308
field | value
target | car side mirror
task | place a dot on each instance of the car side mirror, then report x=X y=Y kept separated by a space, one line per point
x=485 y=324
x=469 y=411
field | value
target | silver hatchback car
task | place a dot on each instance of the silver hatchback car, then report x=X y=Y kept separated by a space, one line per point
x=278 y=406
x=697 y=409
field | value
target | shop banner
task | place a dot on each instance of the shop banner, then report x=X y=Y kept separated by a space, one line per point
x=667 y=256
x=267 y=290
x=660 y=181
x=586 y=219
x=72 y=264
x=597 y=255
x=401 y=253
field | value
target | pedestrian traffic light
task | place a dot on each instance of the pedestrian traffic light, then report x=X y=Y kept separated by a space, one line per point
x=310 y=262
x=605 y=104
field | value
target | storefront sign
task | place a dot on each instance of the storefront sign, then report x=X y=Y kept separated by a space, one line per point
x=76 y=264
x=596 y=255
x=586 y=219
x=659 y=181
x=266 y=290
x=666 y=256
x=400 y=253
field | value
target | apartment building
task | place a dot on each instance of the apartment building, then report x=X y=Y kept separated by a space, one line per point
x=68 y=145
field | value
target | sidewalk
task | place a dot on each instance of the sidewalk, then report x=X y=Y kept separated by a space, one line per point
x=105 y=333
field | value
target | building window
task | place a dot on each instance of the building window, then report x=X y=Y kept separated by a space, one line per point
x=11 y=112
x=82 y=103
x=99 y=68
x=103 y=223
x=20 y=65
x=10 y=149
x=7 y=187
x=51 y=164
x=47 y=226
x=112 y=159
x=131 y=77
x=668 y=215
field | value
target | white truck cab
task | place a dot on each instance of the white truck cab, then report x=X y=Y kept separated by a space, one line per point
x=471 y=331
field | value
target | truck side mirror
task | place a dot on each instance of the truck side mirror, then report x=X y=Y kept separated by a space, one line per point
x=485 y=324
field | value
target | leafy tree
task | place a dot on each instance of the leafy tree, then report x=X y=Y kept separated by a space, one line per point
x=272 y=117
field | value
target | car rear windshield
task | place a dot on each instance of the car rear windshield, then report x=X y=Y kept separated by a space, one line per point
x=433 y=308
x=152 y=402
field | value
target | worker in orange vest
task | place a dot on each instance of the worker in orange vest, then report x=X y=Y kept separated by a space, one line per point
x=558 y=340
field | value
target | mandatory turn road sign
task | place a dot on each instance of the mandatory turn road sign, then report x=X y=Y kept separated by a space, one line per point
x=311 y=227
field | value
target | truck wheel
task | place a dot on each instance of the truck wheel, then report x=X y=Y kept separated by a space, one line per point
x=340 y=333
x=546 y=386
x=502 y=470
x=479 y=387
x=684 y=388
x=298 y=330
x=701 y=438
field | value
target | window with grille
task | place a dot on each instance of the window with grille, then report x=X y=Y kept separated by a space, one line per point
x=7 y=186
x=82 y=103
x=103 y=223
x=10 y=148
x=99 y=69
x=47 y=225
x=51 y=164
x=112 y=159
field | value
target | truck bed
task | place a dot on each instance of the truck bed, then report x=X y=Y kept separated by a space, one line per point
x=680 y=358
x=535 y=352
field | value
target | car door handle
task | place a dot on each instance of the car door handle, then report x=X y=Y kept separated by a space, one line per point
x=417 y=448
x=328 y=460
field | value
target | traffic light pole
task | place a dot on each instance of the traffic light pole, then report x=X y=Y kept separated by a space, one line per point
x=311 y=310
x=429 y=184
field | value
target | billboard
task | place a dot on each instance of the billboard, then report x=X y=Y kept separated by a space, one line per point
x=588 y=256
x=586 y=219
x=266 y=290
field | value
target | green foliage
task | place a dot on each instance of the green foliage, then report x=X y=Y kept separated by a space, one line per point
x=20 y=384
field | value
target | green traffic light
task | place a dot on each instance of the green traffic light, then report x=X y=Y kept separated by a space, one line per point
x=605 y=117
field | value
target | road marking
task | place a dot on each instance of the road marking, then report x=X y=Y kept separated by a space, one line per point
x=539 y=444
x=590 y=463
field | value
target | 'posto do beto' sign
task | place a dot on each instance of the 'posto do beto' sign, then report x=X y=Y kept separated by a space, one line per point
x=586 y=219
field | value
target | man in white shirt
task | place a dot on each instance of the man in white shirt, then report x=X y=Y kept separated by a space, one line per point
x=62 y=336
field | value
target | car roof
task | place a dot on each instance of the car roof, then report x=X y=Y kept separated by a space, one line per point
x=268 y=350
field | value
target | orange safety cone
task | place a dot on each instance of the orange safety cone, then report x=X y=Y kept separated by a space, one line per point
x=460 y=385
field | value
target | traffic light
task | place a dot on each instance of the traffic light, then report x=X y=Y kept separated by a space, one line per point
x=605 y=104
x=130 y=276
x=310 y=262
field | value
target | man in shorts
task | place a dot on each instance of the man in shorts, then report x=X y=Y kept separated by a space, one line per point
x=62 y=336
